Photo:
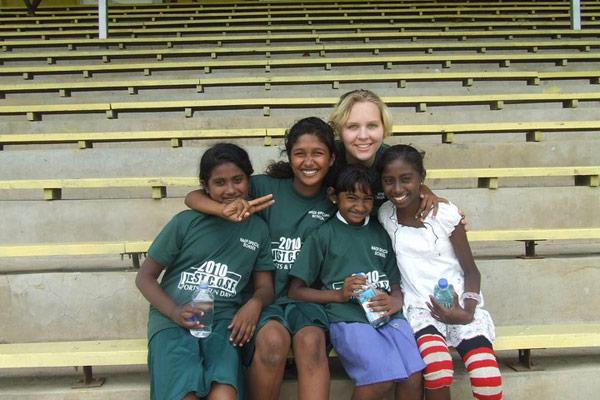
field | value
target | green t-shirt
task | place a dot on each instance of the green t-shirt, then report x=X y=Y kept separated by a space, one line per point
x=290 y=220
x=337 y=250
x=341 y=161
x=193 y=247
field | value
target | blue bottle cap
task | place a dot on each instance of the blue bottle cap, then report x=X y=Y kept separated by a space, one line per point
x=443 y=283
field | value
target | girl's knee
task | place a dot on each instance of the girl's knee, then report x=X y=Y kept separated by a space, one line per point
x=379 y=389
x=309 y=348
x=439 y=370
x=411 y=388
x=272 y=345
x=414 y=382
x=484 y=373
x=310 y=339
x=220 y=391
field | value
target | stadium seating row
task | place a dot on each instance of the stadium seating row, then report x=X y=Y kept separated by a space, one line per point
x=401 y=79
x=387 y=62
x=322 y=49
x=484 y=178
x=86 y=140
x=517 y=43
x=316 y=36
x=135 y=351
x=268 y=27
x=34 y=112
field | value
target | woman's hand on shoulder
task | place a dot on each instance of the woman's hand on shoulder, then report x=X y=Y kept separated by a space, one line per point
x=243 y=324
x=428 y=200
x=456 y=315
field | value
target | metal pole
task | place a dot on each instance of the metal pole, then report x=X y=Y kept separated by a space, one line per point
x=576 y=15
x=103 y=19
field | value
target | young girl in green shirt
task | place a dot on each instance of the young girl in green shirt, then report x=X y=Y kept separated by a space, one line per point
x=340 y=255
x=301 y=205
x=194 y=247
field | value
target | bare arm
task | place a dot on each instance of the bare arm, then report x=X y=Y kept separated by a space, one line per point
x=465 y=258
x=300 y=291
x=239 y=210
x=199 y=200
x=245 y=320
x=457 y=314
x=147 y=282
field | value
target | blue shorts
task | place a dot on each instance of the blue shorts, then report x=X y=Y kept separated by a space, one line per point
x=180 y=363
x=370 y=355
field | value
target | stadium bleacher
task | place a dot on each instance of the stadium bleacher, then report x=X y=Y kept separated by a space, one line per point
x=500 y=95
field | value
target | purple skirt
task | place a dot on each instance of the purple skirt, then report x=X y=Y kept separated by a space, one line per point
x=370 y=355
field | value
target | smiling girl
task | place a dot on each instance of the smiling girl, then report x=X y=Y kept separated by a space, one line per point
x=301 y=206
x=362 y=120
x=426 y=251
x=195 y=247
x=378 y=360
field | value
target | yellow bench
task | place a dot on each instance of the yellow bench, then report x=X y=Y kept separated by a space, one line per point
x=492 y=6
x=486 y=178
x=34 y=112
x=322 y=49
x=135 y=351
x=267 y=38
x=351 y=26
x=387 y=61
x=86 y=140
x=137 y=248
x=393 y=17
x=261 y=18
x=401 y=79
x=277 y=9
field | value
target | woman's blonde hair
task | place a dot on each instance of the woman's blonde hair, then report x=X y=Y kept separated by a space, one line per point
x=339 y=116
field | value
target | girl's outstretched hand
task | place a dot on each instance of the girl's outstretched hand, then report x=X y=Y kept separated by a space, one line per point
x=456 y=315
x=243 y=324
x=385 y=302
x=352 y=284
x=184 y=317
x=241 y=209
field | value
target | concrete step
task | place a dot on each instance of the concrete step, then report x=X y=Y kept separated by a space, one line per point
x=108 y=160
x=38 y=305
x=74 y=220
x=282 y=117
x=574 y=376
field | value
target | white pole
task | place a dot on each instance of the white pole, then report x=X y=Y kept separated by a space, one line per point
x=576 y=15
x=103 y=19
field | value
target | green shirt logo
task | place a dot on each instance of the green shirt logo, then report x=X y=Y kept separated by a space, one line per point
x=285 y=251
x=221 y=281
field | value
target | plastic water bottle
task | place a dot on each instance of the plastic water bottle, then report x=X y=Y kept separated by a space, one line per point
x=376 y=319
x=442 y=292
x=203 y=300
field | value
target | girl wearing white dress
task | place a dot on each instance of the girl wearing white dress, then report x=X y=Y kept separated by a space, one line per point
x=427 y=250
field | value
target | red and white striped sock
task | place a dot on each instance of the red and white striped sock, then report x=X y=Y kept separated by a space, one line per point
x=439 y=369
x=486 y=382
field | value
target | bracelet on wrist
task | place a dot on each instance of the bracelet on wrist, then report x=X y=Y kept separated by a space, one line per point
x=472 y=296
